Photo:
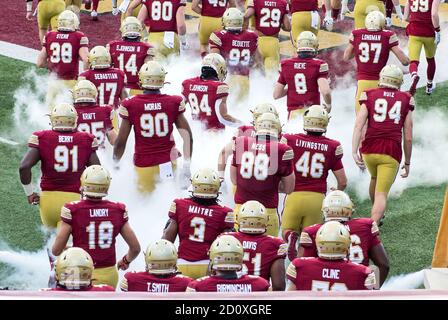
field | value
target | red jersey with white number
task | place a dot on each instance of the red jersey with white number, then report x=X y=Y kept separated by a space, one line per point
x=214 y=8
x=95 y=119
x=260 y=252
x=237 y=48
x=260 y=166
x=268 y=15
x=317 y=274
x=304 y=5
x=129 y=56
x=100 y=287
x=63 y=52
x=364 y=235
x=63 y=157
x=244 y=284
x=314 y=157
x=301 y=75
x=420 y=21
x=153 y=117
x=109 y=82
x=198 y=226
x=387 y=111
x=95 y=225
x=162 y=14
x=204 y=98
x=371 y=49
x=146 y=282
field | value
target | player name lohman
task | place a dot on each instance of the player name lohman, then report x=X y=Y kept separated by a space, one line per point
x=192 y=310
x=312 y=145
x=198 y=210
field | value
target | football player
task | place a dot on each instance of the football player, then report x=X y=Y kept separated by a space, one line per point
x=165 y=22
x=74 y=271
x=161 y=271
x=270 y=18
x=330 y=271
x=371 y=47
x=93 y=118
x=153 y=116
x=129 y=54
x=314 y=156
x=264 y=255
x=198 y=220
x=388 y=114
x=226 y=259
x=364 y=234
x=207 y=94
x=64 y=153
x=61 y=51
x=262 y=167
x=94 y=223
x=210 y=19
x=132 y=10
x=424 y=32
x=238 y=47
x=364 y=7
x=304 y=78
x=47 y=14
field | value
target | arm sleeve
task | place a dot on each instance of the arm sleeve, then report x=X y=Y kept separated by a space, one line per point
x=291 y=272
x=66 y=214
x=338 y=154
x=281 y=76
x=172 y=213
x=323 y=70
x=215 y=41
x=393 y=41
x=123 y=111
x=287 y=166
x=33 y=141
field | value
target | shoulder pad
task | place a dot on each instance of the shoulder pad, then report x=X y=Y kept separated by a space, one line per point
x=215 y=39
x=323 y=67
x=339 y=151
x=288 y=155
x=222 y=89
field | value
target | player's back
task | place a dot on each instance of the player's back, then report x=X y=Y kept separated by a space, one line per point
x=95 y=119
x=214 y=8
x=314 y=157
x=420 y=19
x=203 y=97
x=269 y=15
x=109 y=82
x=304 y=5
x=162 y=14
x=95 y=225
x=245 y=284
x=146 y=282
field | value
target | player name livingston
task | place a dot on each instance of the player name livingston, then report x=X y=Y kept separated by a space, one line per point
x=312 y=145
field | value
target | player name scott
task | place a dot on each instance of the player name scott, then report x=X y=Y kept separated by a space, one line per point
x=312 y=145
x=270 y=4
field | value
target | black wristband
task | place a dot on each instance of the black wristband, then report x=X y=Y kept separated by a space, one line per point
x=407 y=164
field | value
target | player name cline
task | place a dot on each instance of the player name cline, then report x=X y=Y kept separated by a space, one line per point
x=199 y=210
x=371 y=37
x=312 y=145
x=241 y=44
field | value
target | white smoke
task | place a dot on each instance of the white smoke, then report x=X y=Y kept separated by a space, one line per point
x=404 y=281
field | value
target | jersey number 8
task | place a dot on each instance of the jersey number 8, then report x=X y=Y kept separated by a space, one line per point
x=254 y=166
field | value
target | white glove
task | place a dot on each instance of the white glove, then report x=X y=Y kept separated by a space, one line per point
x=328 y=21
x=437 y=38
x=185 y=175
x=388 y=22
x=399 y=13
x=183 y=42
x=344 y=9
x=115 y=11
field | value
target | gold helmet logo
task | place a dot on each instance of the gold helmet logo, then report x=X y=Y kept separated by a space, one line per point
x=337 y=206
x=84 y=92
x=226 y=254
x=74 y=268
x=161 y=257
x=131 y=28
x=268 y=124
x=307 y=42
x=263 y=108
x=206 y=184
x=332 y=241
x=252 y=218
x=391 y=76
x=95 y=181
x=375 y=21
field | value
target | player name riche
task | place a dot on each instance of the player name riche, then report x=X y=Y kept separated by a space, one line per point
x=237 y=287
x=312 y=145
x=153 y=106
x=98 y=213
x=371 y=37
x=200 y=88
x=199 y=210
x=241 y=44
x=106 y=76
x=158 y=287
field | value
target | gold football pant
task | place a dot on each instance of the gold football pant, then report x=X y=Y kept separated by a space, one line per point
x=304 y=21
x=273 y=220
x=134 y=92
x=162 y=51
x=51 y=203
x=382 y=167
x=208 y=25
x=363 y=85
x=360 y=11
x=107 y=275
x=302 y=209
x=47 y=13
x=269 y=48
x=194 y=270
x=147 y=177
x=239 y=86
x=416 y=44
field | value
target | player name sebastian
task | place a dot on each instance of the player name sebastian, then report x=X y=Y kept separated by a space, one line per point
x=106 y=76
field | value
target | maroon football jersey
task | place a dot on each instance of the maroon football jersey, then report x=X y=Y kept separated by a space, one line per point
x=420 y=20
x=364 y=234
x=95 y=225
x=304 y=5
x=317 y=274
x=63 y=157
x=244 y=283
x=387 y=110
x=95 y=119
x=237 y=48
x=129 y=56
x=269 y=15
x=301 y=75
x=198 y=226
x=153 y=117
x=244 y=131
x=162 y=14
x=109 y=82
x=214 y=8
x=99 y=287
x=63 y=52
x=371 y=49
x=260 y=166
x=204 y=98
x=314 y=157
x=146 y=282
x=260 y=252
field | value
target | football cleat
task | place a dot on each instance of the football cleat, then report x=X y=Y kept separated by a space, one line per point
x=94 y=15
x=430 y=88
x=413 y=87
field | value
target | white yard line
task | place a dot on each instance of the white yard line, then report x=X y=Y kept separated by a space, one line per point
x=18 y=52
x=7 y=141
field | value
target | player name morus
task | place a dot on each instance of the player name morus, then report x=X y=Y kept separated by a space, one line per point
x=153 y=106
x=312 y=145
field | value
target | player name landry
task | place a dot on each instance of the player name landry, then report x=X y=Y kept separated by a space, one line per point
x=371 y=37
x=153 y=106
x=240 y=43
x=237 y=287
x=330 y=273
x=98 y=213
x=312 y=145
x=198 y=210
x=158 y=287
x=128 y=48
x=106 y=76
x=200 y=88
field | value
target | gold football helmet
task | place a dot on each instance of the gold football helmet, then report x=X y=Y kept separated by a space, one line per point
x=99 y=58
x=315 y=119
x=332 y=241
x=152 y=75
x=391 y=76
x=268 y=124
x=217 y=63
x=63 y=117
x=375 y=21
x=161 y=257
x=307 y=42
x=95 y=181
x=206 y=184
x=84 y=91
x=74 y=269
x=233 y=19
x=68 y=21
x=252 y=218
x=131 y=28
x=263 y=108
x=226 y=254
x=337 y=206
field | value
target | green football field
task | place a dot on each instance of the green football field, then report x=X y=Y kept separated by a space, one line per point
x=408 y=233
